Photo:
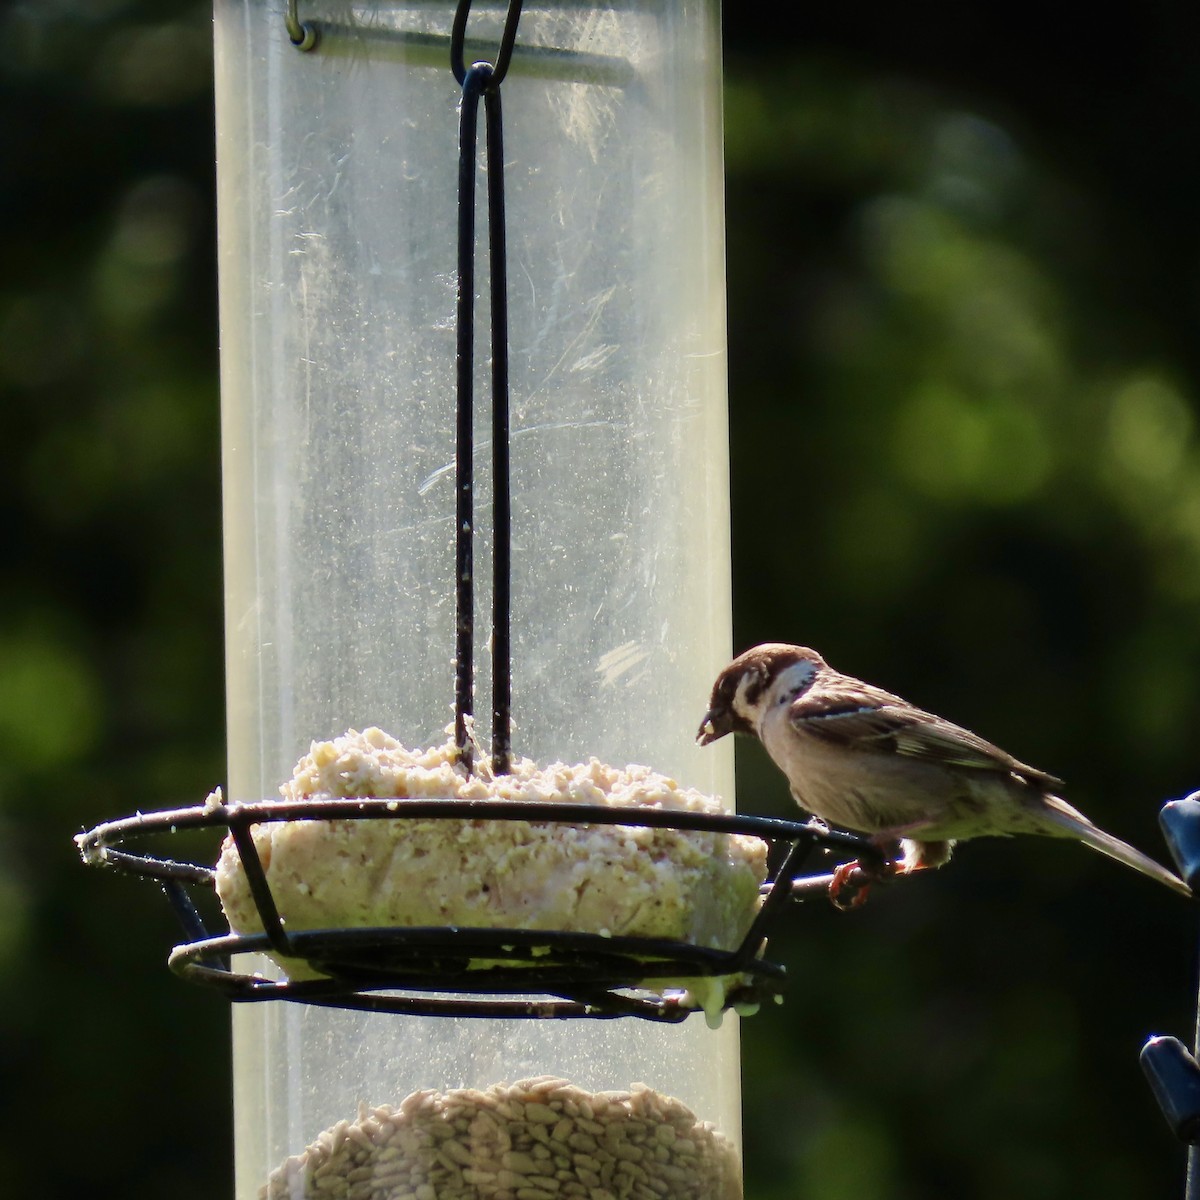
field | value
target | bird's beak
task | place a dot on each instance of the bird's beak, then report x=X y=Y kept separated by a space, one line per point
x=716 y=724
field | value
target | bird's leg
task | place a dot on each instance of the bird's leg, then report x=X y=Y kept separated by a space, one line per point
x=851 y=882
x=894 y=854
x=846 y=892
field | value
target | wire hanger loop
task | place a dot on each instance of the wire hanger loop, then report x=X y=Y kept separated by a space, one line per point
x=458 y=37
x=303 y=34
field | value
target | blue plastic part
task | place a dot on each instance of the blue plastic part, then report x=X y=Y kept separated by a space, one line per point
x=1180 y=821
x=1174 y=1077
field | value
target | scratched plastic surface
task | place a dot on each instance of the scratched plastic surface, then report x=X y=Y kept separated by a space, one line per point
x=337 y=174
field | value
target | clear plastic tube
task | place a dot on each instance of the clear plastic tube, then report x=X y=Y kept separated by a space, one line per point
x=337 y=173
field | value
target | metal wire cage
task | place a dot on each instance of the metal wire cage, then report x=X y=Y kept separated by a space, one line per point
x=455 y=970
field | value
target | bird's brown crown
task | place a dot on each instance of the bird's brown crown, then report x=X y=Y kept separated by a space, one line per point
x=761 y=665
x=751 y=673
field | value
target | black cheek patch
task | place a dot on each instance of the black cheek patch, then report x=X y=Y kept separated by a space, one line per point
x=755 y=687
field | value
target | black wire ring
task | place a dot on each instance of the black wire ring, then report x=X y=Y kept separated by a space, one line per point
x=458 y=36
x=432 y=971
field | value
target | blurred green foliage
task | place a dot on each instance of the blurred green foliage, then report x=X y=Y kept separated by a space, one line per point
x=110 y=622
x=962 y=265
x=958 y=397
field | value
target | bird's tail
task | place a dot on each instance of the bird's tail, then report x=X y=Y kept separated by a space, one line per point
x=1072 y=823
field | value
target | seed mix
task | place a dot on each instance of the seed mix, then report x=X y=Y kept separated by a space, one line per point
x=537 y=1139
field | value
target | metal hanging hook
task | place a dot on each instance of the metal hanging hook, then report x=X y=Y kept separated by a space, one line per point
x=458 y=37
x=481 y=83
x=303 y=34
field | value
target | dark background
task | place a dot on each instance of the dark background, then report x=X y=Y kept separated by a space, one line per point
x=963 y=301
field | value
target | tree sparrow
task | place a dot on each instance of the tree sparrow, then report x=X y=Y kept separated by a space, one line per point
x=863 y=759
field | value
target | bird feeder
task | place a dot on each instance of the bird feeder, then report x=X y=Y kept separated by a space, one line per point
x=476 y=524
x=476 y=561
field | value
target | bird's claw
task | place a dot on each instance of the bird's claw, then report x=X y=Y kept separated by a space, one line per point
x=849 y=887
x=851 y=882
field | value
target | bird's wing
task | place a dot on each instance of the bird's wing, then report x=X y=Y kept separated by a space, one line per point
x=884 y=724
